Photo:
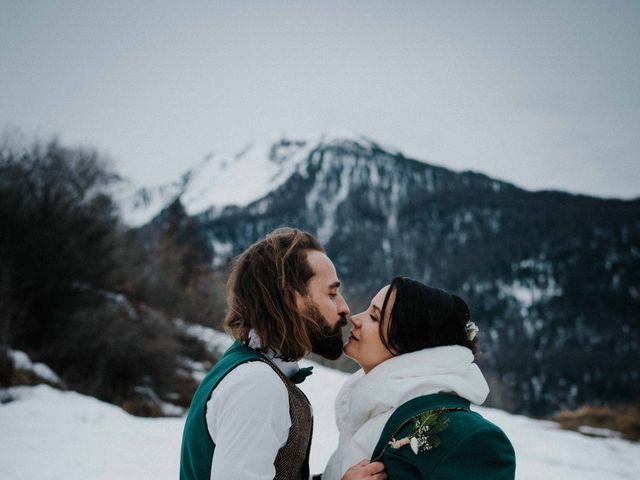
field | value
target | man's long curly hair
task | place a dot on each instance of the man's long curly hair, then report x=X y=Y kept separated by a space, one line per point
x=261 y=293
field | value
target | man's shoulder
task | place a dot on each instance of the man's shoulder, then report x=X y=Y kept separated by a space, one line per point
x=232 y=362
x=251 y=388
x=257 y=371
x=252 y=378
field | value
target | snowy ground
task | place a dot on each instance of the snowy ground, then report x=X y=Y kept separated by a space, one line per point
x=50 y=434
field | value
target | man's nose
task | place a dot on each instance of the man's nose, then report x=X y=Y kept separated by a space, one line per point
x=343 y=308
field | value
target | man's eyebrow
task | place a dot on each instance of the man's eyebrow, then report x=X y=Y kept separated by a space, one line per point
x=335 y=285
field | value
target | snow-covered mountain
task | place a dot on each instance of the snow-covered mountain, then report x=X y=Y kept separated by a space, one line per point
x=51 y=434
x=550 y=277
x=221 y=180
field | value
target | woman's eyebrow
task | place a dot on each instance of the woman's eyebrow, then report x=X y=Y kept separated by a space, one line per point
x=375 y=308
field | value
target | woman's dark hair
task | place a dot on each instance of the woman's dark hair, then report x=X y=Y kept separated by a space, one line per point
x=423 y=317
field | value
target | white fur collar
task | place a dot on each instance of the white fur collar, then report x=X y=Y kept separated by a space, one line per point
x=365 y=402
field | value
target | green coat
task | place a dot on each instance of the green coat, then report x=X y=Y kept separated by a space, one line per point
x=471 y=446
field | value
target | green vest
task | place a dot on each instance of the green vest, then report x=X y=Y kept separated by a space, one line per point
x=471 y=447
x=197 y=445
x=292 y=461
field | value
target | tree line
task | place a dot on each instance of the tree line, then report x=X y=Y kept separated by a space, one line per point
x=90 y=297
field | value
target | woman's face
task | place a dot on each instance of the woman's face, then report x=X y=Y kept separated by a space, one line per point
x=364 y=344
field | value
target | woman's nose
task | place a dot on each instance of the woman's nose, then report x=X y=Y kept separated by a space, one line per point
x=355 y=320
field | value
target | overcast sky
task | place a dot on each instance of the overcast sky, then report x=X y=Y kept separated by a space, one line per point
x=541 y=94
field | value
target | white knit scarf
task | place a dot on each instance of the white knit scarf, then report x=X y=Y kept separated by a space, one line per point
x=365 y=402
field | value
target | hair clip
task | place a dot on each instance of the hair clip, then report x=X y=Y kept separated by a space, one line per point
x=472 y=330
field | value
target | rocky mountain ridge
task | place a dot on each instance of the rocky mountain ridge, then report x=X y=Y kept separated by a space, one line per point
x=551 y=277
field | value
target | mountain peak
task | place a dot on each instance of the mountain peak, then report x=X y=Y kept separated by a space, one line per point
x=350 y=140
x=219 y=180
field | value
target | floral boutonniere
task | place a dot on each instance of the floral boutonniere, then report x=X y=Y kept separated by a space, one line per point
x=424 y=436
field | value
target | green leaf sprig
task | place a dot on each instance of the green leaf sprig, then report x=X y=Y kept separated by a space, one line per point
x=424 y=436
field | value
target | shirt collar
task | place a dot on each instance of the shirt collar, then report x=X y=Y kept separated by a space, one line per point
x=290 y=369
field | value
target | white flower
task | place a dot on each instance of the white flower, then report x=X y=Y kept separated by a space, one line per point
x=414 y=445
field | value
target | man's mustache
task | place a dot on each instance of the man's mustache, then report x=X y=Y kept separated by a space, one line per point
x=337 y=328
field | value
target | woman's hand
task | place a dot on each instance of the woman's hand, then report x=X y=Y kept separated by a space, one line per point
x=364 y=469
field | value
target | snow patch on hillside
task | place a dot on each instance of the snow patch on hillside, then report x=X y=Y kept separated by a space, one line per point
x=22 y=361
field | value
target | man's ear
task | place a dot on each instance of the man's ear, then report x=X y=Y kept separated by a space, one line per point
x=301 y=301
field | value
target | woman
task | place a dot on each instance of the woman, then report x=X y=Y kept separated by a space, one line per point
x=409 y=405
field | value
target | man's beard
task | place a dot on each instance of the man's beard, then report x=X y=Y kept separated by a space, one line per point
x=326 y=341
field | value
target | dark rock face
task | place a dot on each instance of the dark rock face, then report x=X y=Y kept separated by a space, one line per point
x=552 y=279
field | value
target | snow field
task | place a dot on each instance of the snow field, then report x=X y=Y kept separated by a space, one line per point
x=50 y=434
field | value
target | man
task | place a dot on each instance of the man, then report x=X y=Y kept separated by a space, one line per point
x=248 y=420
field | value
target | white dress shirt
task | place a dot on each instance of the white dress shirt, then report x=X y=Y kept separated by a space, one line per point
x=248 y=420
